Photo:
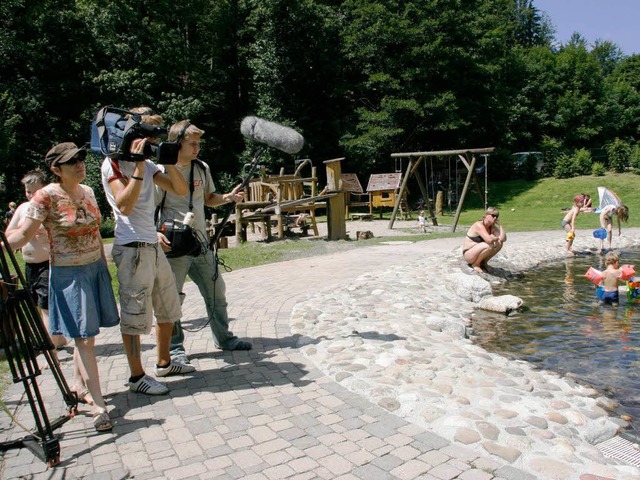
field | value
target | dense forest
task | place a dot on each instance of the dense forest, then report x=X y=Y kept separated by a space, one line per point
x=359 y=79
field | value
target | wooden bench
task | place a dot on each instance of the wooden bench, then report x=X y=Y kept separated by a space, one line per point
x=361 y=216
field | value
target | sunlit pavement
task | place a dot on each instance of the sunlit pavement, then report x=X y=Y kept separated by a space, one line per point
x=264 y=414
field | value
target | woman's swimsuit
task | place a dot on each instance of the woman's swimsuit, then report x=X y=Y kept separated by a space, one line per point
x=476 y=239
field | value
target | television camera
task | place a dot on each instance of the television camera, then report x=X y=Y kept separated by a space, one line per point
x=114 y=129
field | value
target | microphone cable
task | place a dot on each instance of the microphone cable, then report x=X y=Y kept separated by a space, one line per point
x=217 y=262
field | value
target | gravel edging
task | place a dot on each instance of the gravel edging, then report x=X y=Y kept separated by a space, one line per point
x=398 y=338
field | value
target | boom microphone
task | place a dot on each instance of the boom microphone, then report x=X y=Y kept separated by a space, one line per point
x=272 y=134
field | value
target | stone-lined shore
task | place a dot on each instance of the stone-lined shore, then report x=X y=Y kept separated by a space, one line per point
x=399 y=339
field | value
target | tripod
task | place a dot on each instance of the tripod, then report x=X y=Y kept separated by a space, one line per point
x=23 y=337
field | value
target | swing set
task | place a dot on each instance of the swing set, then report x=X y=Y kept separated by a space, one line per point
x=467 y=157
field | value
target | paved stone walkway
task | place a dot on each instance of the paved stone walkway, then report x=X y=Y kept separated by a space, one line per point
x=263 y=414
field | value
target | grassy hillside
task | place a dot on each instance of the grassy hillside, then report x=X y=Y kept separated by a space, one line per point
x=538 y=204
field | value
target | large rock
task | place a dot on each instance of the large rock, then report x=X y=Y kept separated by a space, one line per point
x=502 y=304
x=471 y=288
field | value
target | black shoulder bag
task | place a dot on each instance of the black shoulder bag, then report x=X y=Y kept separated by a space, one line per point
x=184 y=239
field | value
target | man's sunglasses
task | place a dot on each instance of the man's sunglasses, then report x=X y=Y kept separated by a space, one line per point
x=495 y=215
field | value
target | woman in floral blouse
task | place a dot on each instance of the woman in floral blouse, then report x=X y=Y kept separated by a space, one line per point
x=81 y=299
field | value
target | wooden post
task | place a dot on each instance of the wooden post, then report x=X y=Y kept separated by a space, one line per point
x=464 y=190
x=439 y=202
x=239 y=234
x=400 y=194
x=336 y=225
x=427 y=201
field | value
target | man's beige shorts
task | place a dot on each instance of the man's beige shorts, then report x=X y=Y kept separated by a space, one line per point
x=147 y=287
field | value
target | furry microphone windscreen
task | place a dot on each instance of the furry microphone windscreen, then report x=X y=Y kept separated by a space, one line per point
x=272 y=134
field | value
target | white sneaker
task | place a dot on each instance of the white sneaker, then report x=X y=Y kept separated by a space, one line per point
x=181 y=358
x=148 y=385
x=174 y=368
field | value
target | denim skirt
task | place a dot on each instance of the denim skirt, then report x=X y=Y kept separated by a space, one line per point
x=81 y=300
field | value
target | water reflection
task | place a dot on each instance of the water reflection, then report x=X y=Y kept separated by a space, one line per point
x=563 y=328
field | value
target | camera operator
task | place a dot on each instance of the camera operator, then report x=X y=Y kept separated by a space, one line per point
x=147 y=284
x=203 y=268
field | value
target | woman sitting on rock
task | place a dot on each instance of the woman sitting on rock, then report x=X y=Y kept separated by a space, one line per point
x=483 y=240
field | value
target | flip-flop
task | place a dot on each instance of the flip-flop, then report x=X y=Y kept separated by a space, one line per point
x=102 y=422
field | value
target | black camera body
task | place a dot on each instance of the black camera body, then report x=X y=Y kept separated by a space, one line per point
x=113 y=130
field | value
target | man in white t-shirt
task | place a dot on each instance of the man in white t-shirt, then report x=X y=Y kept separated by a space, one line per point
x=147 y=284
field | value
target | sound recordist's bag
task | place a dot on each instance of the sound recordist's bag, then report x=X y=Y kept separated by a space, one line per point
x=184 y=239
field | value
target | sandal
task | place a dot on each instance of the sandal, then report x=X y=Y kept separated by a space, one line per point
x=82 y=396
x=102 y=422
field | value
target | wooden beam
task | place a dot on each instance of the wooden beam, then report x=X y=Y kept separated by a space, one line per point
x=444 y=152
x=336 y=226
x=400 y=193
x=464 y=193
x=464 y=161
x=425 y=195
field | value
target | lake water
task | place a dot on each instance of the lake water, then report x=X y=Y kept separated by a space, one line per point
x=564 y=328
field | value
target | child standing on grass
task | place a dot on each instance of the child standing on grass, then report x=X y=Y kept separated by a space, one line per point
x=569 y=222
x=422 y=222
x=610 y=279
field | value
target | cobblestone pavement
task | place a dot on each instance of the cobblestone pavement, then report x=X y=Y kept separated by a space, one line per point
x=263 y=414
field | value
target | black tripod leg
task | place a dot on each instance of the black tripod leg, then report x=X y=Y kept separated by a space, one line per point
x=31 y=319
x=22 y=359
x=23 y=336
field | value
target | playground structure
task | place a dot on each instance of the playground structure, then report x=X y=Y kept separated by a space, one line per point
x=385 y=191
x=290 y=201
x=469 y=159
x=354 y=196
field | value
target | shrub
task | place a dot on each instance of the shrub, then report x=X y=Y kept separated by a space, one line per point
x=582 y=162
x=619 y=153
x=634 y=160
x=552 y=149
x=501 y=165
x=598 y=169
x=564 y=167
x=107 y=227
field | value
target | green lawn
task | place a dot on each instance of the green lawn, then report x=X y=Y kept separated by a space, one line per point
x=537 y=205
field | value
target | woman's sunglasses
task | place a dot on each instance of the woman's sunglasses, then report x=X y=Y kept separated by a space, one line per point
x=73 y=161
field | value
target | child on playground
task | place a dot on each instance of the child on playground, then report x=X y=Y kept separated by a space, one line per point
x=569 y=222
x=610 y=278
x=422 y=222
x=606 y=221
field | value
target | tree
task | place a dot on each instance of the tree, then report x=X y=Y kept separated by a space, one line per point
x=293 y=62
x=532 y=28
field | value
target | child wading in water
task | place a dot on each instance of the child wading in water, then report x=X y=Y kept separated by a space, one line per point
x=621 y=212
x=569 y=222
x=610 y=279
